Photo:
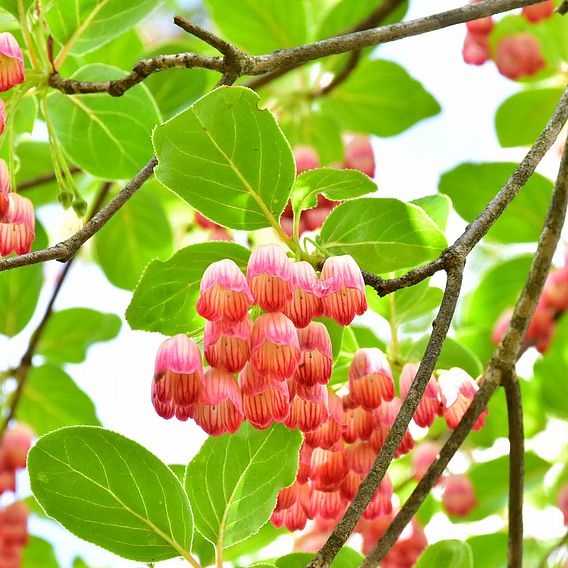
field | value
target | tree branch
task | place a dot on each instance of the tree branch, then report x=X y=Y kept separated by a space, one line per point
x=499 y=369
x=283 y=60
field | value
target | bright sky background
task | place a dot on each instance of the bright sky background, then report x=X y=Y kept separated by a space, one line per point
x=117 y=375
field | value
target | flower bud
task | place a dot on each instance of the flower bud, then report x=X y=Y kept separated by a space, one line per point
x=306 y=303
x=475 y=49
x=17 y=226
x=223 y=292
x=370 y=378
x=423 y=457
x=226 y=343
x=343 y=289
x=432 y=403
x=178 y=377
x=11 y=62
x=14 y=524
x=359 y=154
x=16 y=444
x=270 y=277
x=274 y=347
x=316 y=359
x=459 y=389
x=555 y=292
x=458 y=498
x=265 y=400
x=518 y=56
x=306 y=159
x=219 y=409
x=538 y=12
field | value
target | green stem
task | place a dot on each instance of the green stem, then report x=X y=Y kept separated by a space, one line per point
x=395 y=345
x=27 y=36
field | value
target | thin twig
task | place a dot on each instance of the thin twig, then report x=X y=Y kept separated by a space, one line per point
x=46 y=178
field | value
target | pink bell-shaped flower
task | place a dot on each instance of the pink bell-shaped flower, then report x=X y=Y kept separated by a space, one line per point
x=2 y=117
x=270 y=278
x=385 y=416
x=316 y=355
x=328 y=504
x=274 y=346
x=310 y=412
x=423 y=457
x=16 y=444
x=343 y=289
x=360 y=456
x=226 y=343
x=4 y=186
x=328 y=468
x=432 y=403
x=329 y=433
x=306 y=303
x=359 y=154
x=458 y=498
x=370 y=378
x=358 y=423
x=223 y=292
x=11 y=62
x=17 y=226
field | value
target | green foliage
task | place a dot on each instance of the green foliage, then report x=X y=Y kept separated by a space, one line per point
x=165 y=297
x=233 y=481
x=346 y=558
x=472 y=186
x=20 y=290
x=51 y=399
x=112 y=492
x=228 y=159
x=364 y=229
x=84 y=25
x=521 y=118
x=138 y=233
x=454 y=553
x=69 y=333
x=38 y=553
x=437 y=206
x=105 y=136
x=380 y=98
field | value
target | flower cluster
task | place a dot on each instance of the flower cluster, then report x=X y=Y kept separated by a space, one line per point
x=517 y=55
x=358 y=156
x=553 y=302
x=14 y=448
x=283 y=358
x=17 y=222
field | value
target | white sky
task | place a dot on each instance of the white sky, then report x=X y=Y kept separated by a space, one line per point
x=117 y=375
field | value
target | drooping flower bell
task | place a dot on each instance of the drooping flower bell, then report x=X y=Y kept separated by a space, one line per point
x=178 y=378
x=220 y=408
x=17 y=226
x=360 y=456
x=306 y=159
x=16 y=444
x=265 y=400
x=316 y=360
x=11 y=62
x=310 y=412
x=2 y=116
x=328 y=468
x=358 y=423
x=14 y=525
x=458 y=498
x=328 y=504
x=423 y=457
x=432 y=402
x=269 y=276
x=226 y=343
x=223 y=292
x=4 y=186
x=274 y=346
x=538 y=12
x=370 y=378
x=359 y=154
x=459 y=390
x=385 y=416
x=306 y=303
x=381 y=503
x=343 y=289
x=519 y=55
x=329 y=433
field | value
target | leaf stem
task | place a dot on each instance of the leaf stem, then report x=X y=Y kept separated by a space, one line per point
x=27 y=36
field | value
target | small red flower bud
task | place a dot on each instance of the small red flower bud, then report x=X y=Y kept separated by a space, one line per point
x=219 y=409
x=223 y=292
x=306 y=303
x=475 y=49
x=16 y=444
x=316 y=355
x=432 y=403
x=359 y=154
x=265 y=400
x=306 y=159
x=17 y=226
x=226 y=343
x=481 y=26
x=538 y=12
x=458 y=498
x=14 y=524
x=424 y=455
x=308 y=413
x=11 y=62
x=269 y=276
x=555 y=292
x=519 y=56
x=459 y=389
x=370 y=378
x=205 y=223
x=343 y=289
x=178 y=378
x=274 y=346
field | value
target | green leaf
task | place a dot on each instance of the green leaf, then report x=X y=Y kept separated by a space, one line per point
x=109 y=137
x=342 y=362
x=84 y=25
x=491 y=482
x=453 y=354
x=437 y=207
x=111 y=491
x=228 y=159
x=260 y=27
x=137 y=234
x=380 y=98
x=165 y=297
x=69 y=333
x=365 y=337
x=233 y=481
x=336 y=333
x=346 y=558
x=406 y=304
x=51 y=399
x=490 y=551
x=38 y=553
x=454 y=553
x=20 y=290
x=364 y=228
x=472 y=186
x=520 y=119
x=336 y=185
